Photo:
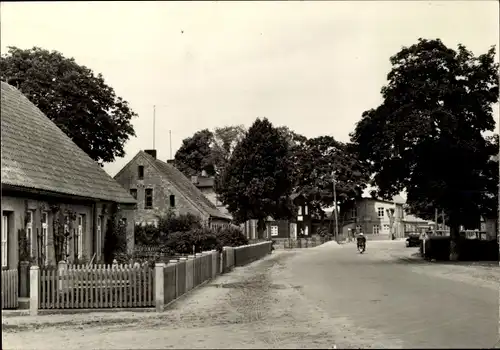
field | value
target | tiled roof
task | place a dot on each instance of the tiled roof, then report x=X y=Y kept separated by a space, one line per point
x=185 y=185
x=36 y=154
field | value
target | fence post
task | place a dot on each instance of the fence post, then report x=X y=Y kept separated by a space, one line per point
x=62 y=266
x=24 y=279
x=34 y=288
x=159 y=287
x=214 y=262
x=174 y=262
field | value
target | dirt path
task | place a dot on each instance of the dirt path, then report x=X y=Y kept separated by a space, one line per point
x=256 y=306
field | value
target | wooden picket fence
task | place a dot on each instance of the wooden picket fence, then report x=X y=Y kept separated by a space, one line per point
x=96 y=287
x=10 y=289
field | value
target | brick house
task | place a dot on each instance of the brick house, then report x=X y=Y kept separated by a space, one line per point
x=50 y=185
x=160 y=187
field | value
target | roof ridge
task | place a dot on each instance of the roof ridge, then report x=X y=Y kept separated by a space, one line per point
x=212 y=211
x=51 y=160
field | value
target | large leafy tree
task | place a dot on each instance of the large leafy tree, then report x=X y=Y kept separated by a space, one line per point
x=208 y=151
x=318 y=159
x=428 y=134
x=73 y=97
x=195 y=154
x=225 y=141
x=257 y=181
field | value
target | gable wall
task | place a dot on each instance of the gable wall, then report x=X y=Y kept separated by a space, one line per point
x=162 y=189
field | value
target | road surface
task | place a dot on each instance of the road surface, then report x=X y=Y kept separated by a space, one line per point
x=323 y=297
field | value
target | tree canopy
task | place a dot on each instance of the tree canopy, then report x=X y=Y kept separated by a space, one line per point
x=317 y=160
x=427 y=136
x=208 y=151
x=195 y=154
x=257 y=182
x=80 y=103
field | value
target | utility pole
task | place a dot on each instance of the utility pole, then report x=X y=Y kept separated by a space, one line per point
x=436 y=220
x=442 y=220
x=335 y=207
x=154 y=124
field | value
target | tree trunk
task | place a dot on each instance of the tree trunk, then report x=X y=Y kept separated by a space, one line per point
x=455 y=238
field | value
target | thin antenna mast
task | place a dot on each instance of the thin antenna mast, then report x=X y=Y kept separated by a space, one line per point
x=154 y=124
x=170 y=134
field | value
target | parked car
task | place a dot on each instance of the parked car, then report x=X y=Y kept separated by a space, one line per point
x=413 y=239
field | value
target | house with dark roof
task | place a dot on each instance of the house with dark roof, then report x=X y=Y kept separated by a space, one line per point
x=159 y=187
x=56 y=201
x=206 y=184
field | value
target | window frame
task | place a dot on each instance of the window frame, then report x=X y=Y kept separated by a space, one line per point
x=146 y=198
x=377 y=231
x=45 y=234
x=133 y=192
x=29 y=232
x=171 y=199
x=140 y=172
x=5 y=241
x=99 y=222
x=380 y=210
x=79 y=237
x=354 y=213
x=274 y=227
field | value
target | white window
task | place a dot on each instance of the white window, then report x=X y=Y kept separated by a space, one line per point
x=376 y=229
x=306 y=231
x=79 y=240
x=386 y=228
x=5 y=237
x=354 y=213
x=98 y=237
x=305 y=210
x=380 y=212
x=300 y=210
x=274 y=230
x=66 y=236
x=45 y=234
x=29 y=232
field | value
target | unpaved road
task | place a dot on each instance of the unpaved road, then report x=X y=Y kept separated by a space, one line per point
x=316 y=298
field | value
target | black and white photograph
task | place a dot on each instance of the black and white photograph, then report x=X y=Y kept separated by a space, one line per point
x=250 y=174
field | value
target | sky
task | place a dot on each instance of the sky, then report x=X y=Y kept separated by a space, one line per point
x=314 y=66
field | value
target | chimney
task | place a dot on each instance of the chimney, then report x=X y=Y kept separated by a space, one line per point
x=194 y=179
x=171 y=161
x=151 y=152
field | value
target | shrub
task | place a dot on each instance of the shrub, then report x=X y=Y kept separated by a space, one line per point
x=231 y=237
x=200 y=238
x=146 y=235
x=115 y=241
x=178 y=223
